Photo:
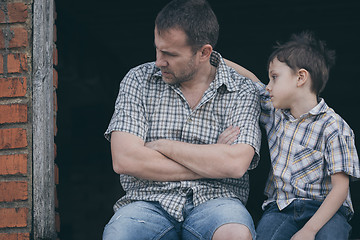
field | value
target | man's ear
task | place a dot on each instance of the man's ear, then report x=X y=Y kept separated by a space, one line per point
x=303 y=77
x=205 y=52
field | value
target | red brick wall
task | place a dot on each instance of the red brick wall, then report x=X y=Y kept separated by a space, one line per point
x=15 y=127
x=16 y=120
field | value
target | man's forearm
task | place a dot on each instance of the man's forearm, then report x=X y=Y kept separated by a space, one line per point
x=209 y=161
x=131 y=157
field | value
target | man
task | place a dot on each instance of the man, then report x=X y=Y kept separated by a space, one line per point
x=179 y=182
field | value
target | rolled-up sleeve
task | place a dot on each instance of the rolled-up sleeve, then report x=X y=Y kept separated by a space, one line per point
x=340 y=152
x=129 y=114
x=245 y=114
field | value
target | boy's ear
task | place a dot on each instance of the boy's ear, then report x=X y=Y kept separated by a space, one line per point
x=303 y=77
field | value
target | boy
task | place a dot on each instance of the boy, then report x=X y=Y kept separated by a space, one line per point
x=311 y=147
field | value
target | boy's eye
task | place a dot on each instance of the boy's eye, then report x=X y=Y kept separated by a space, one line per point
x=273 y=77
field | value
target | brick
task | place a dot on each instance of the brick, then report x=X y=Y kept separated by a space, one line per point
x=13 y=86
x=13 y=113
x=1 y=64
x=15 y=164
x=56 y=174
x=55 y=56
x=55 y=129
x=13 y=191
x=16 y=63
x=12 y=138
x=14 y=236
x=3 y=35
x=55 y=78
x=13 y=13
x=14 y=37
x=13 y=217
x=57 y=222
x=20 y=38
x=55 y=150
x=55 y=33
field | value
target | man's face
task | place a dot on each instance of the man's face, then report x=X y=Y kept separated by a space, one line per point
x=175 y=58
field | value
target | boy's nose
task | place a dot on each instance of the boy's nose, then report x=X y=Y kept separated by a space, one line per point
x=268 y=88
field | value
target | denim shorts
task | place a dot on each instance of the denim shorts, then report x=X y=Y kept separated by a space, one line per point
x=148 y=220
x=282 y=225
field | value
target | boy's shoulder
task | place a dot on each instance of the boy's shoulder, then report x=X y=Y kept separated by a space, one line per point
x=335 y=124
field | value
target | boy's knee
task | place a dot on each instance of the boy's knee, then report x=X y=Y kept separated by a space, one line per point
x=232 y=231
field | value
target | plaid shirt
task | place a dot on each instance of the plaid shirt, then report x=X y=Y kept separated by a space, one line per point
x=305 y=152
x=152 y=109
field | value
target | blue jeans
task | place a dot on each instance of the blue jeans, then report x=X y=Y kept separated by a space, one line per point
x=148 y=220
x=282 y=225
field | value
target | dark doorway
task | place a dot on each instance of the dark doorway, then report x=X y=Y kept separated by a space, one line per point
x=99 y=41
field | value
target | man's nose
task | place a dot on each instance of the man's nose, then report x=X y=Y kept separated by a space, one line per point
x=160 y=61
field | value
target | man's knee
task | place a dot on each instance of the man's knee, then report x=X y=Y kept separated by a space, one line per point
x=140 y=220
x=232 y=231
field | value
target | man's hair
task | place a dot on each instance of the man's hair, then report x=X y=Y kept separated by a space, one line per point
x=305 y=51
x=194 y=17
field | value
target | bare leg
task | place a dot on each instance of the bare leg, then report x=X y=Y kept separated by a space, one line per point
x=232 y=231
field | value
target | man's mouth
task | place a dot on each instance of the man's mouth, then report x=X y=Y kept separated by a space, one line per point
x=165 y=73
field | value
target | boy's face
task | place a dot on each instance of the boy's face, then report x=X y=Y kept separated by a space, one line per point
x=282 y=85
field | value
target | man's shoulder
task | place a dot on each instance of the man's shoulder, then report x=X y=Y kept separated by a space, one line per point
x=246 y=84
x=238 y=82
x=142 y=73
x=148 y=68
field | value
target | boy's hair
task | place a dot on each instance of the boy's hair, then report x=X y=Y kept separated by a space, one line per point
x=304 y=51
x=194 y=17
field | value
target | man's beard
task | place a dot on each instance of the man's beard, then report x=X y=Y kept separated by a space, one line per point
x=179 y=79
x=184 y=76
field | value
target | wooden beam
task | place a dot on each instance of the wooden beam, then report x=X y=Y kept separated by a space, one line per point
x=43 y=223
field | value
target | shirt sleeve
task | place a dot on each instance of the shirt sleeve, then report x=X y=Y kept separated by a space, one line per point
x=245 y=114
x=340 y=152
x=129 y=114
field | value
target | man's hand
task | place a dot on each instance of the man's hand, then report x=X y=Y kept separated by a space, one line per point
x=229 y=135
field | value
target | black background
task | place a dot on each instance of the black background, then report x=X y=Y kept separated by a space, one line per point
x=99 y=41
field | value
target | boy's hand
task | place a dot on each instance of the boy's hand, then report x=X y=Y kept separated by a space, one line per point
x=303 y=235
x=229 y=135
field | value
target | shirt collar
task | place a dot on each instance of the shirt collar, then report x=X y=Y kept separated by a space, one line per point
x=320 y=108
x=223 y=74
x=222 y=77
